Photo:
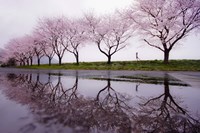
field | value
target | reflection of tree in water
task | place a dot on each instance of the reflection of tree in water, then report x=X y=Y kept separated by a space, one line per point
x=108 y=111
x=55 y=104
x=20 y=79
x=164 y=114
x=114 y=106
x=89 y=114
x=59 y=93
x=28 y=87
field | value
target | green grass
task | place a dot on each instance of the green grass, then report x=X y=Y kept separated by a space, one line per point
x=148 y=65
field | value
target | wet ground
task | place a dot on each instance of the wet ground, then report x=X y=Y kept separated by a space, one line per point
x=60 y=101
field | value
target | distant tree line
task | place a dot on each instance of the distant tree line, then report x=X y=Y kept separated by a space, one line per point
x=161 y=24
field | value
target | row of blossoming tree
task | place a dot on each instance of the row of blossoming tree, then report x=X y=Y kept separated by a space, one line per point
x=161 y=24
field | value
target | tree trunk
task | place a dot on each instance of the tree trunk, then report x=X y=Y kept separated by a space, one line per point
x=27 y=62
x=50 y=61
x=77 y=58
x=31 y=61
x=166 y=56
x=38 y=61
x=109 y=59
x=23 y=63
x=60 y=60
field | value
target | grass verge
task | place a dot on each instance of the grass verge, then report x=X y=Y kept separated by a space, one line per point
x=148 y=65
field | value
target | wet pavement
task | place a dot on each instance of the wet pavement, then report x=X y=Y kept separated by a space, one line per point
x=59 y=101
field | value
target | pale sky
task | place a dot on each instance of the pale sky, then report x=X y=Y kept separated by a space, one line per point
x=18 y=17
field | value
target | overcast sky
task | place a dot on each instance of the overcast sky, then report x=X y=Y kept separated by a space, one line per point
x=18 y=17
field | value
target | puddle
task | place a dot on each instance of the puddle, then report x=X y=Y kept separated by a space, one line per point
x=80 y=102
x=147 y=79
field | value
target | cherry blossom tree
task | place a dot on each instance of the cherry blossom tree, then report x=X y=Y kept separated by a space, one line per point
x=163 y=23
x=46 y=45
x=76 y=35
x=8 y=53
x=15 y=49
x=48 y=51
x=38 y=48
x=95 y=30
x=28 y=48
x=119 y=32
x=110 y=33
x=53 y=29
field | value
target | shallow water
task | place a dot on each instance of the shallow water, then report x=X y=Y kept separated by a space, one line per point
x=98 y=101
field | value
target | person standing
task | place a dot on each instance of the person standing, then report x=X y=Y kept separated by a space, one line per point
x=137 y=57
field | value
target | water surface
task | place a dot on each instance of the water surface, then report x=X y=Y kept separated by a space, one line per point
x=96 y=101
